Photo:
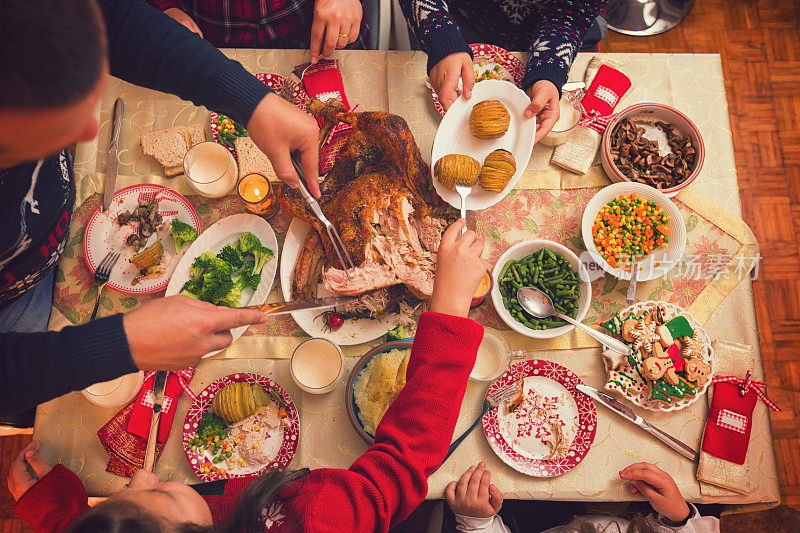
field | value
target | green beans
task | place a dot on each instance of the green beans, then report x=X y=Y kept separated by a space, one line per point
x=547 y=271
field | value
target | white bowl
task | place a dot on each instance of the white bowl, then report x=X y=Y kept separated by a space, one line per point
x=116 y=392
x=520 y=250
x=651 y=112
x=659 y=262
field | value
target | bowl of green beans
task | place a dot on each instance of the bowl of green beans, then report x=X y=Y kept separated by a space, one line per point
x=553 y=269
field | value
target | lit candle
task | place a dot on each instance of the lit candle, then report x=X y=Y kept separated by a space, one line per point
x=257 y=193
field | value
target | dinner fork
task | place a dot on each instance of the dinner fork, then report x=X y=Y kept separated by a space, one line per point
x=333 y=235
x=101 y=276
x=492 y=401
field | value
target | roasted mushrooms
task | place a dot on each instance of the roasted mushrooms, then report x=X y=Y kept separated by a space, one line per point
x=146 y=220
x=638 y=158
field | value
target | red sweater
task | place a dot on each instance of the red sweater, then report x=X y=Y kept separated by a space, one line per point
x=380 y=488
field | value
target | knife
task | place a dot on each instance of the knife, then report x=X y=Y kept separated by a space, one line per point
x=625 y=411
x=158 y=399
x=280 y=308
x=113 y=164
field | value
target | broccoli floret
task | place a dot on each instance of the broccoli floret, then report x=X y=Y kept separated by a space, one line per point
x=231 y=255
x=216 y=291
x=192 y=289
x=200 y=265
x=249 y=244
x=398 y=333
x=211 y=425
x=182 y=233
x=261 y=257
x=232 y=298
x=253 y=280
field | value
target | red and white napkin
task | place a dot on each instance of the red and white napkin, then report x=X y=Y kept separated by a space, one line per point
x=607 y=85
x=124 y=437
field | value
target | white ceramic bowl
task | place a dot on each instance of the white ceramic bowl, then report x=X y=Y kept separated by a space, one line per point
x=116 y=392
x=652 y=112
x=520 y=250
x=659 y=262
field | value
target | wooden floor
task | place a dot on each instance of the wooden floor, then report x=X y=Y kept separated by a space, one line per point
x=759 y=41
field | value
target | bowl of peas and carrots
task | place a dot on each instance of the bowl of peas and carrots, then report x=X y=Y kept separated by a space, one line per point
x=627 y=224
x=549 y=267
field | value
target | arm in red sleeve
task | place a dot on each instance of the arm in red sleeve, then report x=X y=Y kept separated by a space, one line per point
x=53 y=502
x=386 y=483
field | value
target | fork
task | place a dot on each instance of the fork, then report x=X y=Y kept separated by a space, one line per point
x=333 y=235
x=101 y=276
x=492 y=401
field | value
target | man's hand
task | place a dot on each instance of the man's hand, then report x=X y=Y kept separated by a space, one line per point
x=174 y=333
x=659 y=488
x=182 y=18
x=474 y=494
x=445 y=75
x=459 y=270
x=19 y=477
x=279 y=128
x=337 y=23
x=544 y=104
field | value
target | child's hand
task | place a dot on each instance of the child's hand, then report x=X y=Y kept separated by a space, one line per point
x=659 y=488
x=459 y=270
x=19 y=478
x=473 y=494
x=445 y=75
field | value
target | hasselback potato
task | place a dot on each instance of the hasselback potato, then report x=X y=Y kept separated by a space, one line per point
x=489 y=119
x=455 y=169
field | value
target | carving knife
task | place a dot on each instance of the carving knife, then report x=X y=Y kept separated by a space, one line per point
x=159 y=382
x=626 y=412
x=281 y=308
x=113 y=164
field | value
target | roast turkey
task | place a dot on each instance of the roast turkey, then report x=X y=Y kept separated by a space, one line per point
x=374 y=196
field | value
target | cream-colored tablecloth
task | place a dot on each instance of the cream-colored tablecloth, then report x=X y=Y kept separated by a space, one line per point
x=394 y=81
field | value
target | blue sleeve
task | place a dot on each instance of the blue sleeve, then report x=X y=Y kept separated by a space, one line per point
x=147 y=48
x=558 y=38
x=37 y=367
x=436 y=31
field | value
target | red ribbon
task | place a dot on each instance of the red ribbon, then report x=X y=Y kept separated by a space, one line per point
x=184 y=376
x=746 y=384
x=593 y=119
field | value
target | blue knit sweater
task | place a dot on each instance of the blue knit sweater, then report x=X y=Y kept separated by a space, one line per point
x=551 y=30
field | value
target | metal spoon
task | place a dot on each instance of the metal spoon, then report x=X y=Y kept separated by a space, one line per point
x=463 y=191
x=630 y=297
x=540 y=305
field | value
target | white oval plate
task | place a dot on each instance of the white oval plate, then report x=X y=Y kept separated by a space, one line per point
x=454 y=137
x=224 y=232
x=354 y=330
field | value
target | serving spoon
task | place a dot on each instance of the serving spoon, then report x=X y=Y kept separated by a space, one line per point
x=538 y=304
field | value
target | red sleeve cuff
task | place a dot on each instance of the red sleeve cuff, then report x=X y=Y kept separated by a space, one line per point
x=163 y=5
x=53 y=502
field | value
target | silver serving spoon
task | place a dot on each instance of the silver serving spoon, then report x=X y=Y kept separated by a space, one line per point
x=540 y=305
x=630 y=297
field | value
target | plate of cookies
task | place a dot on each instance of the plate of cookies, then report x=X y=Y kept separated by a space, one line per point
x=485 y=143
x=673 y=360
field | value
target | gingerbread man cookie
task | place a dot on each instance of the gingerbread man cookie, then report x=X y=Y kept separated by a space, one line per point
x=654 y=368
x=698 y=371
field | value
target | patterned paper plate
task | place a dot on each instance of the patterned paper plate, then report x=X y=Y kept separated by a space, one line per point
x=490 y=55
x=274 y=82
x=103 y=235
x=549 y=379
x=635 y=388
x=284 y=441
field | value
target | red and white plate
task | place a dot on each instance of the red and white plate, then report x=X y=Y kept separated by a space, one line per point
x=283 y=441
x=490 y=55
x=274 y=82
x=513 y=441
x=103 y=235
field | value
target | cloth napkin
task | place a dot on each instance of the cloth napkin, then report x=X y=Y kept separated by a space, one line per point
x=607 y=85
x=124 y=437
x=323 y=81
x=724 y=469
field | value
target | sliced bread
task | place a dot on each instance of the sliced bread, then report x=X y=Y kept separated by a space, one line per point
x=168 y=146
x=252 y=159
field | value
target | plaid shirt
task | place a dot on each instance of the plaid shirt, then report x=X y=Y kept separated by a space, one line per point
x=251 y=23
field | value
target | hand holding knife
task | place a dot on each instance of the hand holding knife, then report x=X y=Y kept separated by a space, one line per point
x=625 y=411
x=159 y=382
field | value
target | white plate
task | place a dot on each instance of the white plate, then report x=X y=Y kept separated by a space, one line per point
x=520 y=250
x=354 y=330
x=454 y=137
x=656 y=264
x=224 y=232
x=104 y=235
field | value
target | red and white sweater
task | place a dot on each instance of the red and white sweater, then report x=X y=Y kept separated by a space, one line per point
x=379 y=489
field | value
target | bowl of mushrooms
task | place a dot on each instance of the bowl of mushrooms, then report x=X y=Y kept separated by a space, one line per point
x=653 y=144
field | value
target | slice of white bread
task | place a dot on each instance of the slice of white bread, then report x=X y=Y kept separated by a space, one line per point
x=169 y=146
x=252 y=159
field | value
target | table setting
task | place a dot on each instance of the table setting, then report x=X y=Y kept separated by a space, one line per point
x=626 y=219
